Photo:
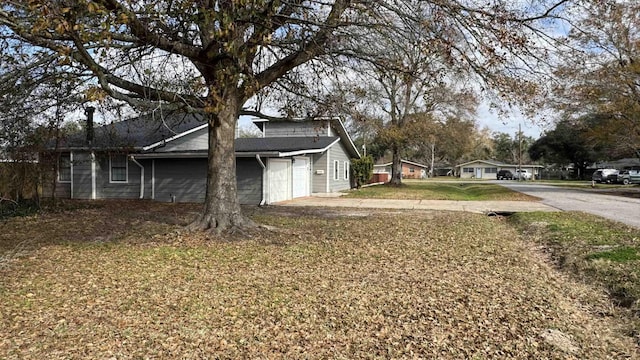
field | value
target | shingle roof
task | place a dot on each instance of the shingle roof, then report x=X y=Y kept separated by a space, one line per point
x=137 y=132
x=283 y=144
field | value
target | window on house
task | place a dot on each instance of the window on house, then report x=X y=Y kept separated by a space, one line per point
x=118 y=168
x=336 y=170
x=467 y=170
x=490 y=170
x=64 y=167
x=346 y=170
x=411 y=170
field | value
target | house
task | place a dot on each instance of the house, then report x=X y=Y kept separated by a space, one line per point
x=166 y=160
x=410 y=170
x=488 y=169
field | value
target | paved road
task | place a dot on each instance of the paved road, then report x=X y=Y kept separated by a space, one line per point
x=623 y=209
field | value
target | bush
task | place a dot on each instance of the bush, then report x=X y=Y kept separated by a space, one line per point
x=362 y=170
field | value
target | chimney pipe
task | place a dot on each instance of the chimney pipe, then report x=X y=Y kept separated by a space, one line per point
x=89 y=112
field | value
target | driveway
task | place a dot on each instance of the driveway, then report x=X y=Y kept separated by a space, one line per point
x=618 y=208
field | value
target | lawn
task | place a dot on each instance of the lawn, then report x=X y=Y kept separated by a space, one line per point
x=593 y=250
x=436 y=190
x=122 y=281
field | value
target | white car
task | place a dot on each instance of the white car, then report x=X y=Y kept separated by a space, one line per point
x=522 y=174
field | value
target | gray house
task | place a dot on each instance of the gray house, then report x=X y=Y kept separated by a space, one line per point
x=166 y=160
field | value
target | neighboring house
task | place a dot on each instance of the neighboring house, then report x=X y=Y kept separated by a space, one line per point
x=488 y=169
x=410 y=170
x=145 y=158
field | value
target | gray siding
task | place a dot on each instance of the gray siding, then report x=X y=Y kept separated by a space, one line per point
x=319 y=181
x=183 y=178
x=307 y=128
x=81 y=172
x=339 y=153
x=186 y=179
x=198 y=140
x=249 y=173
x=108 y=190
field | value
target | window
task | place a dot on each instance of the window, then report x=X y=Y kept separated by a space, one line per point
x=118 y=168
x=346 y=170
x=467 y=170
x=336 y=170
x=412 y=170
x=490 y=170
x=64 y=168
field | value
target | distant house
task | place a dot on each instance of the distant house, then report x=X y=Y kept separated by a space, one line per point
x=145 y=158
x=410 y=170
x=488 y=169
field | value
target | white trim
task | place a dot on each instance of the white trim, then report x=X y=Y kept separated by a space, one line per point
x=126 y=171
x=346 y=170
x=71 y=171
x=304 y=152
x=93 y=175
x=327 y=177
x=336 y=169
x=163 y=142
x=153 y=179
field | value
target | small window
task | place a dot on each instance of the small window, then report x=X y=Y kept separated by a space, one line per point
x=336 y=170
x=118 y=168
x=412 y=170
x=64 y=168
x=490 y=170
x=346 y=170
x=467 y=170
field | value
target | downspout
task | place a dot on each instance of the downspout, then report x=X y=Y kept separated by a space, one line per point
x=264 y=200
x=141 y=175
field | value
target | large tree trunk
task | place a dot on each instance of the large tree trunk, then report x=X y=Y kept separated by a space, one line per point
x=396 y=167
x=222 y=210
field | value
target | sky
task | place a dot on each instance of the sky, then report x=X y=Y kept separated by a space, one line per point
x=509 y=122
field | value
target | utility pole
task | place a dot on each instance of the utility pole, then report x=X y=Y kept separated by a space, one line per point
x=519 y=153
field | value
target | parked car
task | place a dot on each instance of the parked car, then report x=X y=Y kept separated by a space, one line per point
x=629 y=177
x=523 y=174
x=505 y=175
x=605 y=176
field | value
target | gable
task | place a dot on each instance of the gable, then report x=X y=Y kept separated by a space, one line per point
x=195 y=141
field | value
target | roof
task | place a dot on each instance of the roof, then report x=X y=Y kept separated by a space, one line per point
x=406 y=162
x=498 y=164
x=147 y=132
x=137 y=132
x=285 y=145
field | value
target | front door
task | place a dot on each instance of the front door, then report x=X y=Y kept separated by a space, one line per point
x=300 y=177
x=478 y=173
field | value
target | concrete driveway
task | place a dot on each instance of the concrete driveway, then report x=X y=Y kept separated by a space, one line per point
x=449 y=205
x=618 y=208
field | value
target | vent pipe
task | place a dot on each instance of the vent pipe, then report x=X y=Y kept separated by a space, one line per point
x=89 y=112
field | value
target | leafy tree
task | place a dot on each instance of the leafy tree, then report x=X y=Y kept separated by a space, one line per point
x=601 y=79
x=567 y=143
x=214 y=56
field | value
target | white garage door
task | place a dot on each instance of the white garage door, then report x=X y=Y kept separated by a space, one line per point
x=279 y=180
x=301 y=177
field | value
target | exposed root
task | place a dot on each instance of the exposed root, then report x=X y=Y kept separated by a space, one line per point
x=235 y=226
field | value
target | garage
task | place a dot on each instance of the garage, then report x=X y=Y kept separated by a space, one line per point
x=279 y=180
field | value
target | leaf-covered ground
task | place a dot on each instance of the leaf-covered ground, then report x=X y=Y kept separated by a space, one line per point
x=327 y=284
x=440 y=190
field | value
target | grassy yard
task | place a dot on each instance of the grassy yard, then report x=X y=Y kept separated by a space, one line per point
x=435 y=190
x=122 y=281
x=592 y=249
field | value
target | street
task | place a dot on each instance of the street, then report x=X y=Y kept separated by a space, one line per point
x=619 y=208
